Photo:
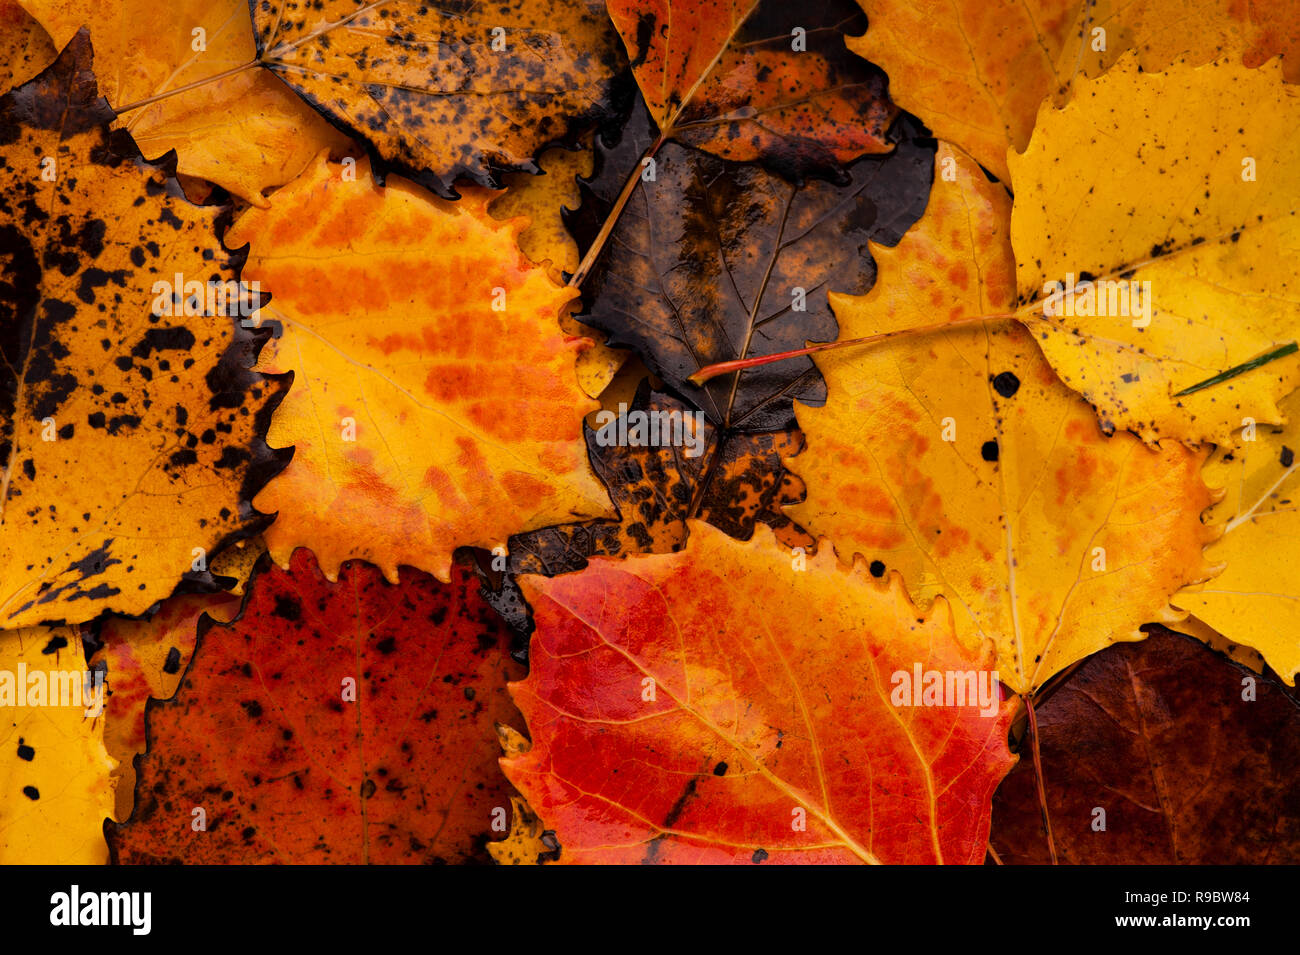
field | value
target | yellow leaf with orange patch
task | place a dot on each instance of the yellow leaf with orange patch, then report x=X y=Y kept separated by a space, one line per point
x=245 y=131
x=546 y=241
x=960 y=460
x=434 y=402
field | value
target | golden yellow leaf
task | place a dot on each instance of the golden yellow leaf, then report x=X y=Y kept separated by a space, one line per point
x=976 y=71
x=423 y=417
x=546 y=241
x=56 y=777
x=1256 y=599
x=1191 y=231
x=246 y=131
x=528 y=842
x=25 y=47
x=131 y=432
x=958 y=459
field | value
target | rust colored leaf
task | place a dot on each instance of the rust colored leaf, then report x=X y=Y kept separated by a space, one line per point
x=129 y=438
x=1161 y=737
x=713 y=261
x=718 y=705
x=338 y=722
x=656 y=489
x=451 y=89
x=758 y=79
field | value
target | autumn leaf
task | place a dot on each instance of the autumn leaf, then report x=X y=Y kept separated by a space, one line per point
x=176 y=66
x=25 y=47
x=131 y=440
x=757 y=79
x=402 y=450
x=718 y=705
x=444 y=90
x=56 y=777
x=1197 y=222
x=543 y=200
x=657 y=488
x=958 y=458
x=338 y=722
x=529 y=841
x=1163 y=753
x=713 y=261
x=143 y=660
x=1256 y=599
x=1002 y=59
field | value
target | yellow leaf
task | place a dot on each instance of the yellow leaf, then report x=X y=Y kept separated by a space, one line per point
x=976 y=71
x=25 y=47
x=56 y=777
x=246 y=131
x=958 y=459
x=131 y=431
x=423 y=417
x=1193 y=222
x=1256 y=600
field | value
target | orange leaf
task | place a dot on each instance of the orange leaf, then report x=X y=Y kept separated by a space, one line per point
x=402 y=368
x=720 y=705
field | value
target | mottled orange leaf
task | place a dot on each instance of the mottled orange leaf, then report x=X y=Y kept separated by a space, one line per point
x=422 y=418
x=243 y=130
x=721 y=705
x=346 y=722
x=25 y=47
x=130 y=439
x=959 y=459
x=447 y=90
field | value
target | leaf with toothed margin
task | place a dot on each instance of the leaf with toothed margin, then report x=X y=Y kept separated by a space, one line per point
x=722 y=705
x=424 y=418
x=332 y=722
x=131 y=442
x=451 y=89
x=714 y=260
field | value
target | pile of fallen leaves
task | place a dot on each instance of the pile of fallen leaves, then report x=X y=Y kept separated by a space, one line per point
x=332 y=528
